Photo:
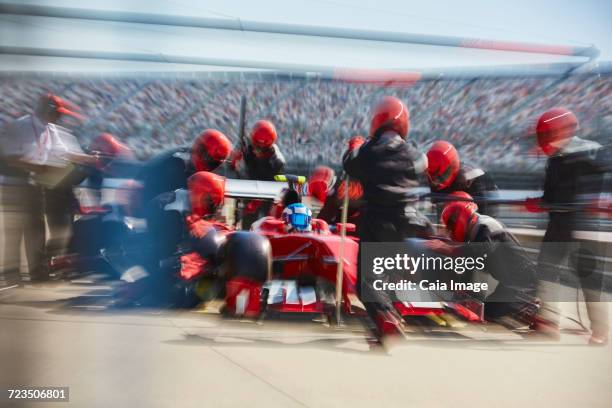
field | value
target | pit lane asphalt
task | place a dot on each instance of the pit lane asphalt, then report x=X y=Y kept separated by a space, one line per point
x=62 y=334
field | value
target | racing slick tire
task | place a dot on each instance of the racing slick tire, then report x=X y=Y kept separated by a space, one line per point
x=248 y=255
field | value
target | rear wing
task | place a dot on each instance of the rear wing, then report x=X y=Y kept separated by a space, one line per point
x=264 y=190
x=254 y=189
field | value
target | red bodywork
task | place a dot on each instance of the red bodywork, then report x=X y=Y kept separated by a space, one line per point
x=317 y=255
x=243 y=297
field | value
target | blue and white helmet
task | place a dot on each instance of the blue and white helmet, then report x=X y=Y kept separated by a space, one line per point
x=297 y=217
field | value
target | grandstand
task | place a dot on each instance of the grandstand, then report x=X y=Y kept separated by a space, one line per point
x=486 y=117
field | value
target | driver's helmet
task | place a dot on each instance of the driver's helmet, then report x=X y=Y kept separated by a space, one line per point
x=297 y=217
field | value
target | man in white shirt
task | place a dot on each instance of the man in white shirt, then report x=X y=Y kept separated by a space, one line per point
x=29 y=146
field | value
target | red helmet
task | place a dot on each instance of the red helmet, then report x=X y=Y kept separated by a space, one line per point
x=457 y=215
x=464 y=198
x=554 y=129
x=263 y=134
x=442 y=164
x=321 y=181
x=209 y=150
x=108 y=145
x=50 y=104
x=206 y=192
x=392 y=114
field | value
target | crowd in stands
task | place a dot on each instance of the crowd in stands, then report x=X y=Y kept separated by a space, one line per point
x=488 y=119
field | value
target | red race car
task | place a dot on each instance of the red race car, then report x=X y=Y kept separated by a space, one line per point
x=295 y=270
x=276 y=267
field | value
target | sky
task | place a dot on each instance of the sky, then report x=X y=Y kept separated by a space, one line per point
x=543 y=21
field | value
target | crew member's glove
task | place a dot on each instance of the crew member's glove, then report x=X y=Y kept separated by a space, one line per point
x=237 y=161
x=355 y=142
x=197 y=226
x=192 y=265
x=318 y=189
x=441 y=247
